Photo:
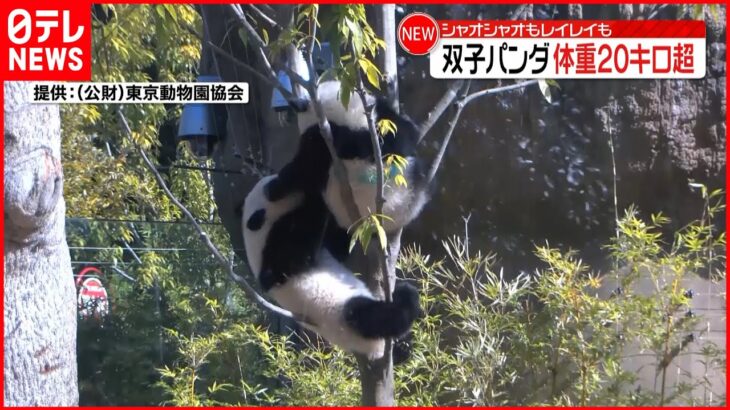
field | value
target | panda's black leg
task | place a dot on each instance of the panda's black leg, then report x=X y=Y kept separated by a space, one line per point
x=270 y=278
x=286 y=182
x=376 y=319
x=276 y=189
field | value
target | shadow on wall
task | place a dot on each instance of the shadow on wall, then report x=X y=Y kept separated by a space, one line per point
x=528 y=171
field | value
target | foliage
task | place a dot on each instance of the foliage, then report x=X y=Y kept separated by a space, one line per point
x=549 y=338
x=202 y=375
x=268 y=369
x=103 y=173
x=394 y=169
x=354 y=43
x=158 y=274
x=559 y=336
x=364 y=229
x=180 y=334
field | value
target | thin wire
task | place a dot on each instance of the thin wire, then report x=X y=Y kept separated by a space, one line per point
x=107 y=248
x=191 y=167
x=110 y=248
x=78 y=218
x=118 y=263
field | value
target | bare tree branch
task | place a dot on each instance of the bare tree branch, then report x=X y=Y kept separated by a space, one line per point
x=438 y=110
x=268 y=20
x=311 y=87
x=241 y=281
x=462 y=102
x=447 y=137
x=258 y=43
x=266 y=79
x=379 y=199
x=483 y=93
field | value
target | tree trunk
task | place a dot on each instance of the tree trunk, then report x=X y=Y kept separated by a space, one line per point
x=388 y=59
x=376 y=377
x=40 y=302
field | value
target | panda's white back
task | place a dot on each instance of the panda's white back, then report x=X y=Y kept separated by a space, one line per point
x=402 y=203
x=329 y=95
x=319 y=295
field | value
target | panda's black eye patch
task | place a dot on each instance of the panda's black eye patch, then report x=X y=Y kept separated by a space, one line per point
x=256 y=220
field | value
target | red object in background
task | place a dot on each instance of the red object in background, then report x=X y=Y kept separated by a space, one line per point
x=45 y=41
x=418 y=33
x=93 y=300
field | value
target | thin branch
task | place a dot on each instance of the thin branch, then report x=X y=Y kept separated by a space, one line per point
x=266 y=79
x=450 y=95
x=379 y=198
x=312 y=38
x=490 y=91
x=311 y=86
x=258 y=43
x=241 y=281
x=296 y=78
x=462 y=102
x=340 y=171
x=438 y=110
x=268 y=20
x=273 y=82
x=375 y=143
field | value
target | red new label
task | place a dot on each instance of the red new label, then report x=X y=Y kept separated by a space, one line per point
x=46 y=41
x=418 y=33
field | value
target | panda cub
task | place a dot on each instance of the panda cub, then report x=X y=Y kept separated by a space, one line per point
x=296 y=254
x=311 y=169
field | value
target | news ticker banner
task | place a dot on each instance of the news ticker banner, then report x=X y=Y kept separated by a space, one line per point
x=557 y=49
x=141 y=93
x=51 y=41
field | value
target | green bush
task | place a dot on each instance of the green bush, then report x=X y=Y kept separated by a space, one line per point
x=558 y=336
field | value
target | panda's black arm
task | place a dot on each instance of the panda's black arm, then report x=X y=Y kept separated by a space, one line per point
x=307 y=172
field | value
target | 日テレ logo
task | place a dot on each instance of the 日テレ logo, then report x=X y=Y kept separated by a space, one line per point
x=46 y=41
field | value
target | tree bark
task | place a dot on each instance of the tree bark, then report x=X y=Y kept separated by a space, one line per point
x=40 y=303
x=376 y=377
x=385 y=27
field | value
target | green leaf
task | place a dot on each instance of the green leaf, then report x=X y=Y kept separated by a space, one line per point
x=353 y=242
x=381 y=234
x=371 y=71
x=385 y=127
x=243 y=35
x=545 y=90
x=171 y=11
x=552 y=83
